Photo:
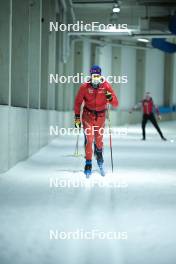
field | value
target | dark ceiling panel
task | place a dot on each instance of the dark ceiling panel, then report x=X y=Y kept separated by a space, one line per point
x=93 y=1
x=157 y=2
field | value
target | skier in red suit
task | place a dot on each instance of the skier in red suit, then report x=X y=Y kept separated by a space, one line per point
x=96 y=95
x=148 y=108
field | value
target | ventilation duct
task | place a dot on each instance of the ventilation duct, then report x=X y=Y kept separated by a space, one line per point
x=163 y=44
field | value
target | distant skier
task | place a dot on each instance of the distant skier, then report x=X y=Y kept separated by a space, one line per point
x=148 y=108
x=95 y=94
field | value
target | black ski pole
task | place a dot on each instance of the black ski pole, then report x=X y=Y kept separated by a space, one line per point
x=110 y=137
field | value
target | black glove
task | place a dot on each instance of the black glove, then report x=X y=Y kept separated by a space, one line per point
x=108 y=96
x=77 y=121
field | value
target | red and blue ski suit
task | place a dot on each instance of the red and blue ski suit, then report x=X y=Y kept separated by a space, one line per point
x=93 y=117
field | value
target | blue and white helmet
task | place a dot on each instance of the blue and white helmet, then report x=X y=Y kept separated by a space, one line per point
x=95 y=69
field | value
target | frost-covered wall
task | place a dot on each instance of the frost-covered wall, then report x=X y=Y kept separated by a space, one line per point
x=154 y=74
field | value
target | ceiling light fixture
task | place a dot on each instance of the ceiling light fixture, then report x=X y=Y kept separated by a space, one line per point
x=143 y=40
x=116 y=8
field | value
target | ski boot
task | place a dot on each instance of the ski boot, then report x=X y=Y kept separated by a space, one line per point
x=99 y=157
x=88 y=168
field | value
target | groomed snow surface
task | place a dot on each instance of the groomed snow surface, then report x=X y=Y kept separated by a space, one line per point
x=138 y=199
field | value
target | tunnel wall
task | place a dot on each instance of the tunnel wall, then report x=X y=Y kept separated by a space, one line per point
x=154 y=75
x=173 y=80
x=27 y=99
x=23 y=132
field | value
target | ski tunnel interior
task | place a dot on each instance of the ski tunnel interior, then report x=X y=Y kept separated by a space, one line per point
x=36 y=57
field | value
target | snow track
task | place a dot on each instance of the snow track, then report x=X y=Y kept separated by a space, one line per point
x=139 y=198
